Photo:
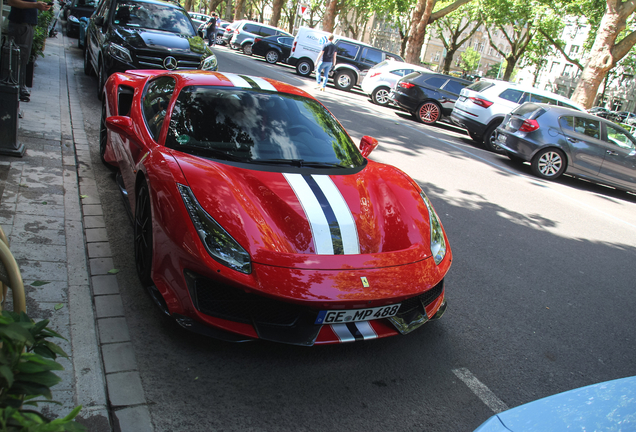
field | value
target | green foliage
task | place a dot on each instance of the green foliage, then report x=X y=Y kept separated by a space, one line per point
x=41 y=32
x=470 y=60
x=27 y=362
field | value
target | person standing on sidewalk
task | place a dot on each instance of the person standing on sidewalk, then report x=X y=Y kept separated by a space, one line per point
x=22 y=21
x=328 y=56
x=211 y=30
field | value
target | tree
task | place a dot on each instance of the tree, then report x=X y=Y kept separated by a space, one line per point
x=423 y=16
x=469 y=60
x=606 y=52
x=454 y=30
x=329 y=19
x=276 y=9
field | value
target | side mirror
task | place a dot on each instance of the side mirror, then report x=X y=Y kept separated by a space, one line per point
x=120 y=124
x=367 y=145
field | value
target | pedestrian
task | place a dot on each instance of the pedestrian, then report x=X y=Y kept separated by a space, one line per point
x=22 y=21
x=328 y=56
x=211 y=29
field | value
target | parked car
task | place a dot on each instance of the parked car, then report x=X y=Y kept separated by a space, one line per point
x=229 y=31
x=626 y=117
x=220 y=30
x=257 y=217
x=76 y=10
x=428 y=96
x=607 y=406
x=142 y=34
x=482 y=107
x=558 y=140
x=245 y=33
x=381 y=79
x=199 y=18
x=353 y=60
x=273 y=48
x=600 y=111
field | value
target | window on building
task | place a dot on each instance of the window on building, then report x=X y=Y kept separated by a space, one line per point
x=567 y=70
x=435 y=57
x=574 y=50
x=555 y=67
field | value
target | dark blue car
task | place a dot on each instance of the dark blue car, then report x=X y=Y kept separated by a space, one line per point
x=273 y=48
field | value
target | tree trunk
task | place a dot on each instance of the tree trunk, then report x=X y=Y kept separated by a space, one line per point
x=448 y=61
x=277 y=6
x=421 y=15
x=511 y=62
x=214 y=4
x=605 y=53
x=330 y=16
x=239 y=9
x=188 y=5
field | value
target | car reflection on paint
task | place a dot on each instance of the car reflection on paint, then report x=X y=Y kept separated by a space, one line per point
x=255 y=215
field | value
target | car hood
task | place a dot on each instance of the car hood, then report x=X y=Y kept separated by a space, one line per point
x=158 y=40
x=302 y=218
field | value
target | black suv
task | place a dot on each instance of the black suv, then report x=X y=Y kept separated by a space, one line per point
x=428 y=96
x=142 y=34
x=77 y=9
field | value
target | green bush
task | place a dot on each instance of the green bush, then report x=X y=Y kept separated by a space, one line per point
x=27 y=362
x=41 y=32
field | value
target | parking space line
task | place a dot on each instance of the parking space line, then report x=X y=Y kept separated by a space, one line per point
x=480 y=390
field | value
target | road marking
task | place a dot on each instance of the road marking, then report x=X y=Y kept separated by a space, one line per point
x=480 y=390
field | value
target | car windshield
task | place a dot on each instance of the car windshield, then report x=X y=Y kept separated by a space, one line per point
x=259 y=127
x=153 y=17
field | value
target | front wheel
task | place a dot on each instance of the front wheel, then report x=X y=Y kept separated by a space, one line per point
x=343 y=80
x=272 y=57
x=247 y=49
x=88 y=68
x=143 y=234
x=429 y=112
x=219 y=40
x=549 y=163
x=103 y=137
x=304 y=68
x=380 y=96
x=101 y=80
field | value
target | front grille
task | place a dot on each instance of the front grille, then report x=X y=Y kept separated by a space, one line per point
x=152 y=60
x=223 y=301
x=416 y=305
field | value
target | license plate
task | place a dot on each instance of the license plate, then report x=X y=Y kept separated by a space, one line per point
x=501 y=138
x=462 y=98
x=355 y=315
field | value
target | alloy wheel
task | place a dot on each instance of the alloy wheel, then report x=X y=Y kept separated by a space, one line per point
x=429 y=113
x=143 y=235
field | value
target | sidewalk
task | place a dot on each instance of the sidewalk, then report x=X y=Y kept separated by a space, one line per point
x=51 y=211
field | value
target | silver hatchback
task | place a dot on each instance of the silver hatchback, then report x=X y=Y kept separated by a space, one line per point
x=557 y=140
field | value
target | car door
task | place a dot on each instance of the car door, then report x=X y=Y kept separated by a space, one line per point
x=154 y=105
x=96 y=32
x=583 y=136
x=619 y=165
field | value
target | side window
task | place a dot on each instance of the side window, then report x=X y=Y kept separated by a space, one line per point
x=155 y=103
x=371 y=56
x=286 y=41
x=619 y=138
x=567 y=123
x=266 y=31
x=252 y=28
x=589 y=127
x=512 y=95
x=347 y=50
x=454 y=86
x=541 y=99
x=436 y=81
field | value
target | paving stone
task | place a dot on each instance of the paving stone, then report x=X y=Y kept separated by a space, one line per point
x=104 y=285
x=124 y=388
x=119 y=357
x=135 y=419
x=96 y=235
x=108 y=306
x=92 y=210
x=51 y=291
x=43 y=270
x=100 y=266
x=94 y=222
x=113 y=330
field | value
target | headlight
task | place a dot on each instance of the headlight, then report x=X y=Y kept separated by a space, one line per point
x=219 y=244
x=209 y=63
x=71 y=18
x=120 y=53
x=438 y=244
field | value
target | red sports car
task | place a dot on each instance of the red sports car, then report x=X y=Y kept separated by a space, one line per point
x=256 y=217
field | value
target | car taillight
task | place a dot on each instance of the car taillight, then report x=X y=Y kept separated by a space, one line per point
x=294 y=46
x=406 y=85
x=257 y=40
x=481 y=102
x=372 y=74
x=236 y=31
x=529 y=126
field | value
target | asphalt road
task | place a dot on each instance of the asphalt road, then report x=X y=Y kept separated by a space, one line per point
x=540 y=299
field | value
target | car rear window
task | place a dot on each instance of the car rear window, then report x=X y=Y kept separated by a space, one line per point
x=435 y=81
x=480 y=86
x=347 y=50
x=454 y=86
x=258 y=126
x=512 y=95
x=372 y=56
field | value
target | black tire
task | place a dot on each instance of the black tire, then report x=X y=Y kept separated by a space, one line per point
x=247 y=49
x=549 y=163
x=344 y=80
x=272 y=56
x=101 y=80
x=380 y=96
x=143 y=234
x=304 y=68
x=489 y=139
x=88 y=67
x=429 y=113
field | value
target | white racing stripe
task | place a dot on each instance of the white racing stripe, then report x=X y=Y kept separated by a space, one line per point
x=317 y=220
x=366 y=330
x=480 y=390
x=238 y=81
x=343 y=333
x=348 y=230
x=264 y=85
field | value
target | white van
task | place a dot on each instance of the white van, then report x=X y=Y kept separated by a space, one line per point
x=353 y=60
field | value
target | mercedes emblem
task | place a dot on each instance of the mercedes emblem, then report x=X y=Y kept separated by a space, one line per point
x=170 y=63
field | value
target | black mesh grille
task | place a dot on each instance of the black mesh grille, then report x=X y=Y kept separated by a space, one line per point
x=418 y=303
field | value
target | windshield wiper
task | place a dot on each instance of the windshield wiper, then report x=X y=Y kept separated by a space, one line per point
x=206 y=151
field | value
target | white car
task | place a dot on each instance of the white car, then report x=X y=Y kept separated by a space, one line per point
x=381 y=78
x=483 y=105
x=198 y=18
